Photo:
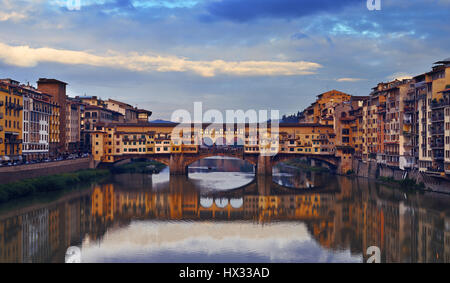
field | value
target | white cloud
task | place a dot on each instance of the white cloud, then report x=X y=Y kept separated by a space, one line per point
x=26 y=56
x=150 y=240
x=349 y=80
x=14 y=16
x=14 y=10
x=399 y=76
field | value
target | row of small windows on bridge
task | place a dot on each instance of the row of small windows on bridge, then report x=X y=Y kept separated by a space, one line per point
x=299 y=143
x=301 y=149
x=308 y=210
x=137 y=143
x=158 y=149
x=143 y=149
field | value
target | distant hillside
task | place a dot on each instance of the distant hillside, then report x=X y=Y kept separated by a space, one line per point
x=295 y=118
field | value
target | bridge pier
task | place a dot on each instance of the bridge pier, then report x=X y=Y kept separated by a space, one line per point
x=177 y=165
x=345 y=165
x=264 y=166
x=264 y=184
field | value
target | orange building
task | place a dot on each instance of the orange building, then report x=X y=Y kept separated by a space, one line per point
x=322 y=110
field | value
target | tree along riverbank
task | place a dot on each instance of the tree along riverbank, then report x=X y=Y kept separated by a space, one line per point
x=139 y=166
x=59 y=182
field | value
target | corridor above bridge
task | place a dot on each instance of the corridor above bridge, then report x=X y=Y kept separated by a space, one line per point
x=178 y=145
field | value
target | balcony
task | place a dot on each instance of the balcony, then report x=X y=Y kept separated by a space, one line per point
x=15 y=106
x=13 y=141
x=409 y=109
x=439 y=132
x=437 y=145
x=436 y=119
x=439 y=104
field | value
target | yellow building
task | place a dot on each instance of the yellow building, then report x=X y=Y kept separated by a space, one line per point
x=11 y=240
x=11 y=105
x=103 y=202
x=112 y=141
x=307 y=139
x=54 y=132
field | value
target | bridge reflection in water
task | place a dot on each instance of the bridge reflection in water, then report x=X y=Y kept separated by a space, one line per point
x=343 y=215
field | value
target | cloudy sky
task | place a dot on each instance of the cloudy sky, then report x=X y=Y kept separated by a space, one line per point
x=229 y=54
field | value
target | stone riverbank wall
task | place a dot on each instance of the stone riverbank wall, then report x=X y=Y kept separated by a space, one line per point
x=15 y=173
x=372 y=170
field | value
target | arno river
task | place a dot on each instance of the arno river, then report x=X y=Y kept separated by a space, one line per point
x=222 y=213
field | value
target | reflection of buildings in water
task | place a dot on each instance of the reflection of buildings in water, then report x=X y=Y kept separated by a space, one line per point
x=434 y=235
x=43 y=233
x=11 y=239
x=295 y=178
x=356 y=216
x=223 y=164
x=35 y=235
x=103 y=202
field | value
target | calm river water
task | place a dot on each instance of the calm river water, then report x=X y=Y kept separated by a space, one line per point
x=222 y=213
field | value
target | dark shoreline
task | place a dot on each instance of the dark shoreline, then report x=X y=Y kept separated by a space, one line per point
x=46 y=184
x=59 y=182
x=406 y=185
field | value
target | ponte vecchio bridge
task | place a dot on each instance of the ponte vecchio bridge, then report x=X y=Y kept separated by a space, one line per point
x=174 y=144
